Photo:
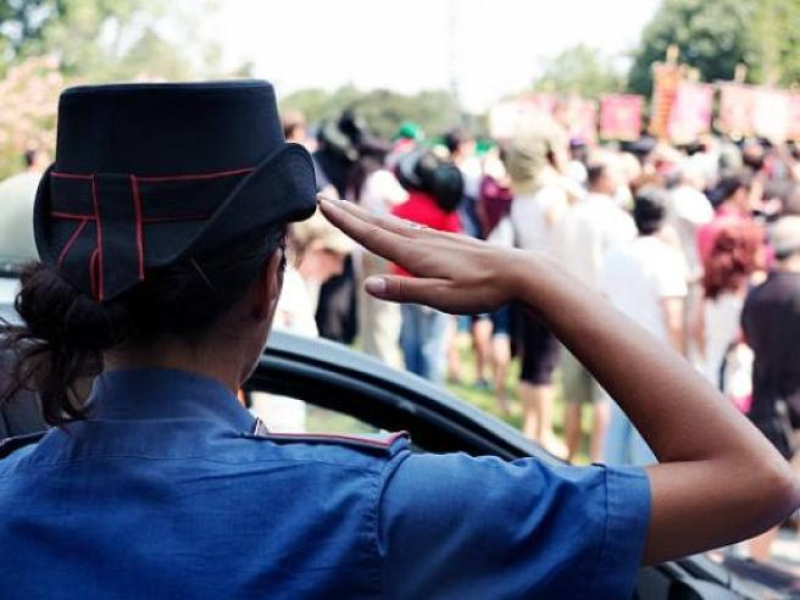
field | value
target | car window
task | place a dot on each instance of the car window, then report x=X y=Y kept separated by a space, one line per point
x=8 y=291
x=284 y=414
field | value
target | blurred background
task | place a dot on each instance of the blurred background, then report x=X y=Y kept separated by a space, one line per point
x=650 y=145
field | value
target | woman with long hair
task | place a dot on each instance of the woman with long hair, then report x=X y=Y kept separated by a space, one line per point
x=735 y=254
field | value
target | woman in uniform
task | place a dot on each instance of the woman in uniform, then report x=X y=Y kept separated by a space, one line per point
x=160 y=229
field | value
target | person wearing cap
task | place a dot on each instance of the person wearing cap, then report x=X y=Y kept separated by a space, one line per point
x=535 y=160
x=160 y=230
x=318 y=252
x=771 y=324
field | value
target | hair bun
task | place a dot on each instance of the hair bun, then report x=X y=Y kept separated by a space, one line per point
x=56 y=313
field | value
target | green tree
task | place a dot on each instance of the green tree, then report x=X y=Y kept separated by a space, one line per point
x=21 y=24
x=46 y=45
x=434 y=111
x=711 y=36
x=774 y=36
x=579 y=70
x=97 y=40
x=716 y=36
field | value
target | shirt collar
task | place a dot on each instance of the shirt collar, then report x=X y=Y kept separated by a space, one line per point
x=137 y=394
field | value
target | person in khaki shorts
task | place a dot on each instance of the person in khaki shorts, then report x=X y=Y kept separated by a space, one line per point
x=580 y=389
x=592 y=227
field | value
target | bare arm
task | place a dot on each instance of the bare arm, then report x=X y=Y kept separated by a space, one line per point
x=673 y=321
x=719 y=481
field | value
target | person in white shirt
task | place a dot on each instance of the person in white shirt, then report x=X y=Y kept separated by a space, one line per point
x=379 y=322
x=592 y=227
x=688 y=210
x=535 y=162
x=646 y=280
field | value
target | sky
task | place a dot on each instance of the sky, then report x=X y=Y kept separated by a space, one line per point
x=484 y=48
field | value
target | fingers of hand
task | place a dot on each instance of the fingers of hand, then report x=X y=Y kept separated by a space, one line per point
x=407 y=289
x=440 y=294
x=370 y=235
x=388 y=222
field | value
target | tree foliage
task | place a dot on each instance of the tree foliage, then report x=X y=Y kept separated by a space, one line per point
x=46 y=45
x=579 y=70
x=97 y=40
x=714 y=37
x=383 y=110
x=775 y=37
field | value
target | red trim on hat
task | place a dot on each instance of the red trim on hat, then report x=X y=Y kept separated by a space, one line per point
x=72 y=175
x=99 y=229
x=196 y=177
x=57 y=214
x=177 y=218
x=71 y=241
x=137 y=207
x=71 y=216
x=92 y=270
x=163 y=178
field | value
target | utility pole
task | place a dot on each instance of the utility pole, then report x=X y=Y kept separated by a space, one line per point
x=452 y=54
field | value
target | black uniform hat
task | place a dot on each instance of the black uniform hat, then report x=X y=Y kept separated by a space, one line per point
x=147 y=174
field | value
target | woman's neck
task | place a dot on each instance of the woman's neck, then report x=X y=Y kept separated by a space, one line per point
x=219 y=363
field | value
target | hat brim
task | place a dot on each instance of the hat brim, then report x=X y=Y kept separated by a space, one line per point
x=279 y=190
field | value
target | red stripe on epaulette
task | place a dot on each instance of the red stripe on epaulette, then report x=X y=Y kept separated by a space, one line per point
x=334 y=438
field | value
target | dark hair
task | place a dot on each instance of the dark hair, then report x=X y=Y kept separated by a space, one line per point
x=364 y=167
x=649 y=209
x=30 y=156
x=595 y=172
x=454 y=138
x=64 y=332
x=442 y=180
x=733 y=257
x=728 y=186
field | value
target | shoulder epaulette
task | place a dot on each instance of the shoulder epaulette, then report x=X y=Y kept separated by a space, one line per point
x=9 y=445
x=376 y=442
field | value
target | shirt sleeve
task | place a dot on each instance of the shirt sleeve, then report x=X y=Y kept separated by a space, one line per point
x=453 y=526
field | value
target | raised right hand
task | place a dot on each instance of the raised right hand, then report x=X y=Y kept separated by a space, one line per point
x=452 y=273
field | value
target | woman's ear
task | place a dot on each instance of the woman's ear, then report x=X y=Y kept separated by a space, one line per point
x=267 y=288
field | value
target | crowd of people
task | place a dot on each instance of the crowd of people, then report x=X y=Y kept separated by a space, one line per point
x=699 y=245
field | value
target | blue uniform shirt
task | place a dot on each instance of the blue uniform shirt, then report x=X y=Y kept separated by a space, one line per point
x=166 y=492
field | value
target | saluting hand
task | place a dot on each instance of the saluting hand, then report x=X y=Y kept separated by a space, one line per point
x=452 y=273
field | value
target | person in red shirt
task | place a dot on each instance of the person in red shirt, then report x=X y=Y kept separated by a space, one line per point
x=435 y=190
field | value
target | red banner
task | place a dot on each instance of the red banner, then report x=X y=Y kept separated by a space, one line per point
x=621 y=117
x=793 y=132
x=690 y=116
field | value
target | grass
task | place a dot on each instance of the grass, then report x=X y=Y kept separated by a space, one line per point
x=484 y=399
